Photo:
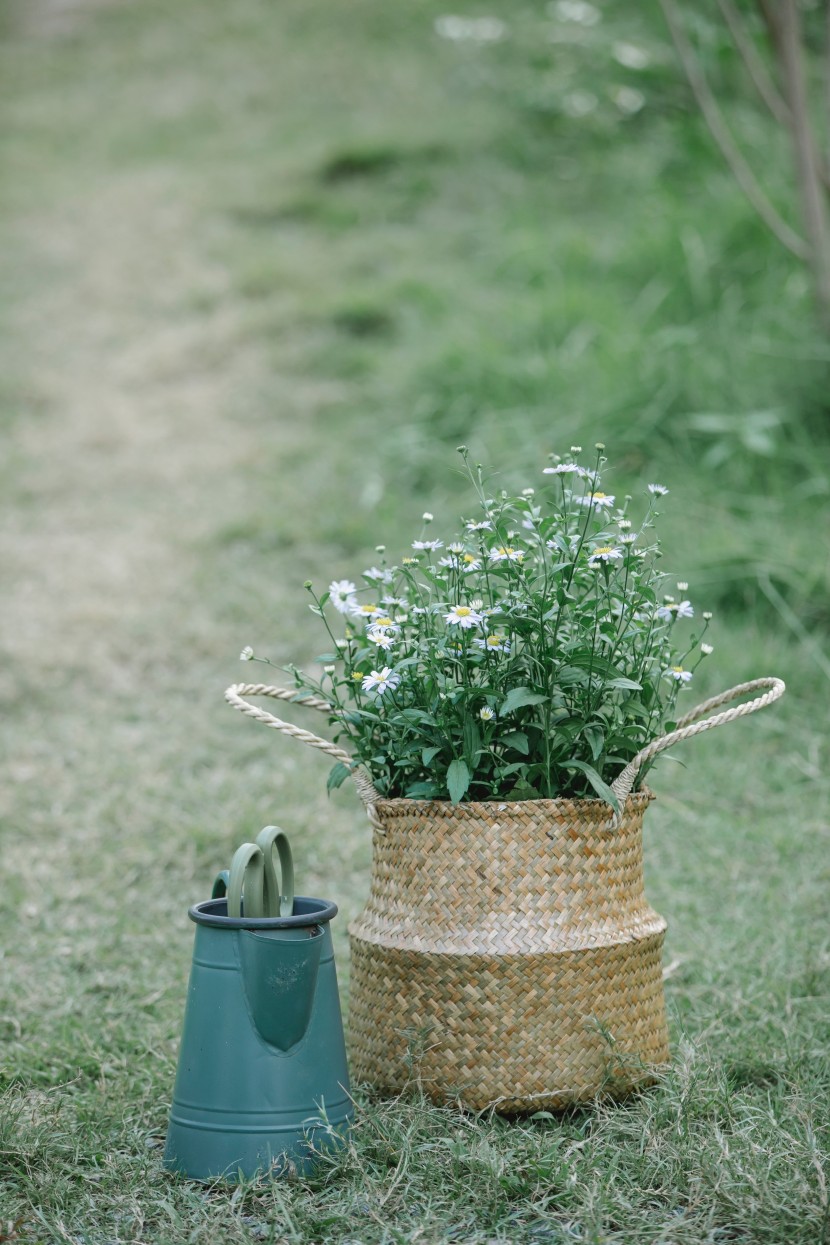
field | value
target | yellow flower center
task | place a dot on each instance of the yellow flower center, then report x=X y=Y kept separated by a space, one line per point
x=383 y=622
x=599 y=496
x=678 y=670
x=494 y=641
x=469 y=557
x=463 y=611
x=356 y=674
x=603 y=549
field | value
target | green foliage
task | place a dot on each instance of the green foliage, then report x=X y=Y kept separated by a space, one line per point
x=532 y=655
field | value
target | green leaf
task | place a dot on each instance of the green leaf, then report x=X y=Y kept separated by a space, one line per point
x=518 y=697
x=516 y=740
x=595 y=739
x=337 y=776
x=472 y=739
x=429 y=754
x=602 y=789
x=458 y=779
x=628 y=684
x=567 y=676
x=423 y=791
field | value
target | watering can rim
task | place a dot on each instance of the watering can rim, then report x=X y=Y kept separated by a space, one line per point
x=206 y=913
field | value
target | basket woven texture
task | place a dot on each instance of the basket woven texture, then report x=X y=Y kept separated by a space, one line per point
x=507 y=955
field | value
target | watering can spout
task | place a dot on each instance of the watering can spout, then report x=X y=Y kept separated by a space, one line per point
x=280 y=978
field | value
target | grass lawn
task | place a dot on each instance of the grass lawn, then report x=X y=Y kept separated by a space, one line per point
x=264 y=266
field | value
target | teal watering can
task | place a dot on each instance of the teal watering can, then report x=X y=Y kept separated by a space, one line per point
x=262 y=1083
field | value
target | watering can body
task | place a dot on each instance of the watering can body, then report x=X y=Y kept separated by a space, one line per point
x=262 y=1081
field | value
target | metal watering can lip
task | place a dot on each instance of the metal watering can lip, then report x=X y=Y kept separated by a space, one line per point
x=307 y=912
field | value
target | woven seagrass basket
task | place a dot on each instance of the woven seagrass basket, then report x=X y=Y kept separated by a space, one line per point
x=507 y=956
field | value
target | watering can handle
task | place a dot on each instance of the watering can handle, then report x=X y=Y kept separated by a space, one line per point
x=220 y=886
x=248 y=867
x=253 y=869
x=279 y=895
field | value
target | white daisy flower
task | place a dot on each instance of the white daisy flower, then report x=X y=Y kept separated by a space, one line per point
x=706 y=616
x=364 y=611
x=604 y=553
x=494 y=644
x=624 y=524
x=342 y=595
x=383 y=639
x=455 y=547
x=469 y=562
x=682 y=585
x=679 y=674
x=566 y=469
x=627 y=538
x=430 y=545
x=380 y=680
x=247 y=653
x=676 y=609
x=658 y=490
x=399 y=601
x=382 y=622
x=506 y=553
x=427 y=517
x=329 y=669
x=706 y=649
x=463 y=616
x=418 y=610
x=484 y=526
x=378 y=575
x=600 y=501
x=486 y=713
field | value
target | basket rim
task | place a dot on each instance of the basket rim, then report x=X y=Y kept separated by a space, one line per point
x=587 y=808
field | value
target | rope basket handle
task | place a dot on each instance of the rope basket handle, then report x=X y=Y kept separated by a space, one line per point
x=689 y=725
x=622 y=785
x=234 y=696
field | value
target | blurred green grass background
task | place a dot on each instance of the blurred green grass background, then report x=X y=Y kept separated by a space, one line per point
x=264 y=267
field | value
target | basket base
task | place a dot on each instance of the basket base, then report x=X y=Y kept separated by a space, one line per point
x=515 y=1033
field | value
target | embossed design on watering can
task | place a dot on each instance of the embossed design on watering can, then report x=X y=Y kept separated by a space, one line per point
x=262 y=1080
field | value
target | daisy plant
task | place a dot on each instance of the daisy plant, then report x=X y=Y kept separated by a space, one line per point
x=530 y=655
